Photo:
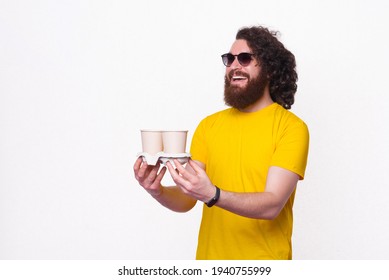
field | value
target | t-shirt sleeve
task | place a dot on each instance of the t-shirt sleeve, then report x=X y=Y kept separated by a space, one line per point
x=198 y=147
x=291 y=151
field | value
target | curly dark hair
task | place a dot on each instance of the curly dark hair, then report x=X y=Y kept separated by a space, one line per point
x=277 y=62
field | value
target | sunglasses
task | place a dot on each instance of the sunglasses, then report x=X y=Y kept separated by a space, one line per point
x=244 y=58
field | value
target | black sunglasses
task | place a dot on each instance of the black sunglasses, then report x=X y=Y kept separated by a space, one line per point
x=243 y=58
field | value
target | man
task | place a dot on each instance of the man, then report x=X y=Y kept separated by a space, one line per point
x=246 y=160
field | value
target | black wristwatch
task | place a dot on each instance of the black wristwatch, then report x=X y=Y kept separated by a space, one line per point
x=214 y=199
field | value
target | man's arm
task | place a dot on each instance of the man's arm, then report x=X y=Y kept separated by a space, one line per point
x=280 y=185
x=267 y=205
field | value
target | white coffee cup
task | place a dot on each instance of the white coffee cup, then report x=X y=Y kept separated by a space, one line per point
x=174 y=141
x=151 y=141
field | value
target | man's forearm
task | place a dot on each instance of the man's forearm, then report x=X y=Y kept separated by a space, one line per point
x=262 y=205
x=174 y=199
x=280 y=184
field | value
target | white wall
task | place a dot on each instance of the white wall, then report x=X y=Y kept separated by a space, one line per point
x=78 y=79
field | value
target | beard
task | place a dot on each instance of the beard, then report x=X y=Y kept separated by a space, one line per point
x=240 y=98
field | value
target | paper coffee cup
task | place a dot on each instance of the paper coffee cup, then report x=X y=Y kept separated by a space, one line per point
x=151 y=141
x=174 y=142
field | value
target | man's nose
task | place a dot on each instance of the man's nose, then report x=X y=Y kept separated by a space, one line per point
x=235 y=64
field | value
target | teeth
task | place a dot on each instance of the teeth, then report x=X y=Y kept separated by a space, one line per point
x=238 y=78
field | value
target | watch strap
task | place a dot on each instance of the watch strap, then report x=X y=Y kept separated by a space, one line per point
x=214 y=199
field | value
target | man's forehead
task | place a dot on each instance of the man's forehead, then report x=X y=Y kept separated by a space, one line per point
x=239 y=46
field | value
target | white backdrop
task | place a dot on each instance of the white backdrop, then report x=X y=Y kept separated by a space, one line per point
x=78 y=79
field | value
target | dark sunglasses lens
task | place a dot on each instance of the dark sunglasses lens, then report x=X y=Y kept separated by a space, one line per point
x=228 y=59
x=244 y=59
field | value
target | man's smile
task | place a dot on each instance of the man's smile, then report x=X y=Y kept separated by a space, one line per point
x=238 y=78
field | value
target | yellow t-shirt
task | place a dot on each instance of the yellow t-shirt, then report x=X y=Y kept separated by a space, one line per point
x=237 y=149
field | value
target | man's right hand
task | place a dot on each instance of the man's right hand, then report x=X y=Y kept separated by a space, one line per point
x=149 y=177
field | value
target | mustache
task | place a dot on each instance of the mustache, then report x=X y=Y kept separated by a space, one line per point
x=238 y=73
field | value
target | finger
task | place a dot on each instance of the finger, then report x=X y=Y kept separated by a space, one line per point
x=171 y=169
x=153 y=173
x=137 y=167
x=160 y=175
x=181 y=169
x=175 y=175
x=142 y=171
x=137 y=163
x=195 y=166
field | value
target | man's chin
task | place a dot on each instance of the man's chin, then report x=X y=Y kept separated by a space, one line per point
x=240 y=84
x=236 y=89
